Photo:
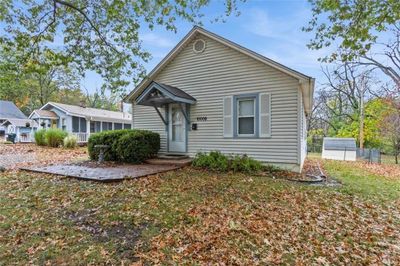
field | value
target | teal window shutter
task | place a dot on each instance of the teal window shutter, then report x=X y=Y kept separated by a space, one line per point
x=265 y=115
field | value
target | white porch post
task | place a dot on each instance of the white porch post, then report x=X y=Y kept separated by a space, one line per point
x=87 y=129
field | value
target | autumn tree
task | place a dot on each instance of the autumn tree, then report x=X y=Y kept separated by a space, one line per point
x=355 y=27
x=98 y=35
x=32 y=83
x=390 y=128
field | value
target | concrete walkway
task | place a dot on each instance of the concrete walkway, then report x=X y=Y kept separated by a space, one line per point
x=103 y=173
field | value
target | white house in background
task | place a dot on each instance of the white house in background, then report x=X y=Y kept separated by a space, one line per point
x=22 y=128
x=342 y=149
x=13 y=121
x=80 y=120
x=210 y=94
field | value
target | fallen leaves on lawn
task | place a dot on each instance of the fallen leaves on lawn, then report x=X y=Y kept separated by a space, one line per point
x=14 y=156
x=293 y=226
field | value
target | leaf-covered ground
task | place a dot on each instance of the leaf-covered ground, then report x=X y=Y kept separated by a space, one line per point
x=195 y=217
x=14 y=156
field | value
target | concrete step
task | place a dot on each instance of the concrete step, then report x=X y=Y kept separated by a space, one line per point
x=164 y=161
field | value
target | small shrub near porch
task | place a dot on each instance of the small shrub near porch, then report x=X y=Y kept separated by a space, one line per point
x=216 y=161
x=126 y=145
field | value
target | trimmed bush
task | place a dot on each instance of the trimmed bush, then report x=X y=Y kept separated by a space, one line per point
x=70 y=141
x=137 y=146
x=54 y=137
x=245 y=164
x=216 y=161
x=40 y=137
x=126 y=145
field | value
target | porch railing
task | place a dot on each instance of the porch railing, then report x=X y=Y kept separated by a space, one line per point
x=81 y=137
x=25 y=137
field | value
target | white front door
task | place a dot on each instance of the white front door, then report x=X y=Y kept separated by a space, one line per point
x=176 y=129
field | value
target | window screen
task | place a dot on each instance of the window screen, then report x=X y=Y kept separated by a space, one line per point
x=117 y=126
x=246 y=116
x=83 y=124
x=75 y=124
x=127 y=126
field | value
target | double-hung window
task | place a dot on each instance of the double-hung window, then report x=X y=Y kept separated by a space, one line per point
x=246 y=117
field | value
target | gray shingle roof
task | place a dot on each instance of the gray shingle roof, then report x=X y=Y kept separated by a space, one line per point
x=10 y=110
x=92 y=112
x=176 y=91
x=20 y=122
x=340 y=144
x=46 y=114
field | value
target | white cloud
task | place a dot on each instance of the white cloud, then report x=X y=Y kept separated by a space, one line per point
x=156 y=40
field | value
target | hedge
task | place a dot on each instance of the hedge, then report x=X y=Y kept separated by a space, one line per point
x=126 y=145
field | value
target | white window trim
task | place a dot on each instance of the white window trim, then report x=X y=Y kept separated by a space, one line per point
x=238 y=116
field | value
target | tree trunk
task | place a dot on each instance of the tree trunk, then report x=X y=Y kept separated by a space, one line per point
x=362 y=114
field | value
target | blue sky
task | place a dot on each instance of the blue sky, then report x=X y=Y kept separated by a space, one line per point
x=269 y=27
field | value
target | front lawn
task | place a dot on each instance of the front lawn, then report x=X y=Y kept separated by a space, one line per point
x=194 y=217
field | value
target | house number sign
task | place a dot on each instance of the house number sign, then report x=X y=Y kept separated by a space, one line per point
x=201 y=119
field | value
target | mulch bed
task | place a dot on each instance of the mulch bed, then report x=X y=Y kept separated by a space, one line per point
x=312 y=174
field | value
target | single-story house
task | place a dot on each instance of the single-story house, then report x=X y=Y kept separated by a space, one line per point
x=210 y=93
x=80 y=121
x=23 y=129
x=342 y=149
x=8 y=110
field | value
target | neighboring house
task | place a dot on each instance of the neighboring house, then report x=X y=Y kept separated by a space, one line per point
x=80 y=120
x=24 y=129
x=209 y=94
x=13 y=121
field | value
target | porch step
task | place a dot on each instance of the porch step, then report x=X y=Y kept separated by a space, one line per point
x=179 y=161
x=170 y=156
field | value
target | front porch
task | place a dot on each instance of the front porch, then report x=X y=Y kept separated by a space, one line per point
x=172 y=105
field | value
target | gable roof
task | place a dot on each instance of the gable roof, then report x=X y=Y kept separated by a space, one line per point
x=306 y=82
x=91 y=113
x=20 y=122
x=10 y=110
x=44 y=114
x=170 y=94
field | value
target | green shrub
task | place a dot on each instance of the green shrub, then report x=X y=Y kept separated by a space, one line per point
x=216 y=161
x=245 y=164
x=137 y=146
x=70 y=141
x=40 y=137
x=127 y=145
x=54 y=137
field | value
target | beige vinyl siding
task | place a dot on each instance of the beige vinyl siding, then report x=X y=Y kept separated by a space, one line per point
x=221 y=71
x=303 y=132
x=145 y=117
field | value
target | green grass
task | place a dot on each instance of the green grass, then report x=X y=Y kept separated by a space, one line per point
x=358 y=181
x=196 y=217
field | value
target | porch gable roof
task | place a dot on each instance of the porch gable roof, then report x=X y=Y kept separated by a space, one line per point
x=158 y=94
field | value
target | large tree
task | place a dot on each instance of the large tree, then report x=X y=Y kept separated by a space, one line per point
x=363 y=31
x=98 y=35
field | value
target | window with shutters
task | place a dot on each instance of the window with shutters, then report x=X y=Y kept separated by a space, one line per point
x=246 y=117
